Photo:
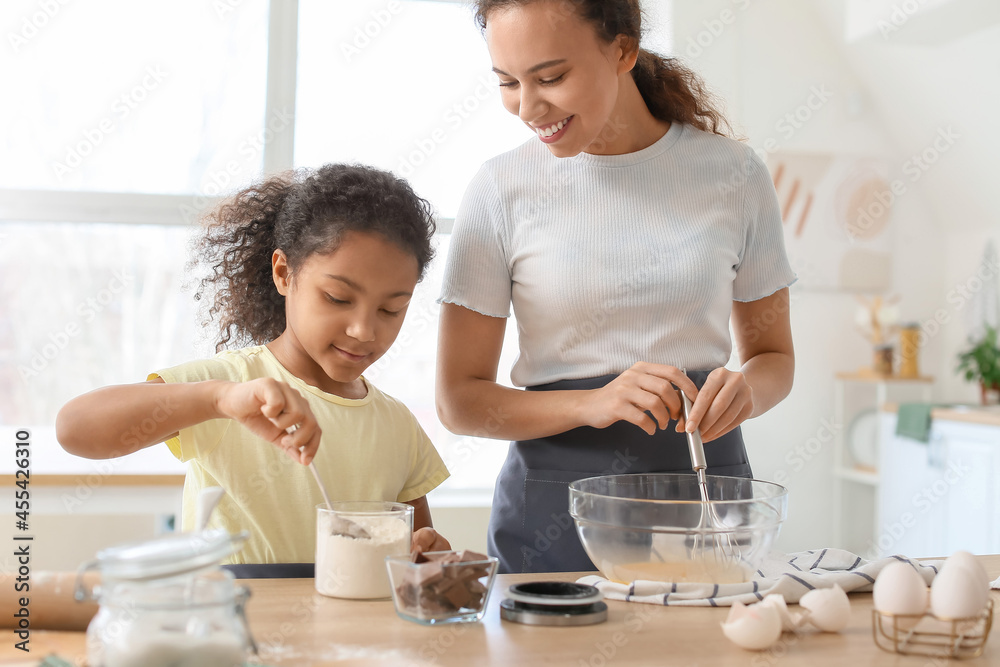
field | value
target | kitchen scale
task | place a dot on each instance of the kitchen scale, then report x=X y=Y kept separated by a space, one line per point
x=554 y=603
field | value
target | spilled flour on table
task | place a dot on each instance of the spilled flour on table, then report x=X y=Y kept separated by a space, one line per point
x=344 y=654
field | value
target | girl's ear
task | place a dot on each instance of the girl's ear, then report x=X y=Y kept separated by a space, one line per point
x=281 y=273
x=629 y=49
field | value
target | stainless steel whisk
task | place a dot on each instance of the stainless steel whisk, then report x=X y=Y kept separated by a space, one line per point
x=712 y=532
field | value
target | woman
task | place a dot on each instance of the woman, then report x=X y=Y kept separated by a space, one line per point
x=627 y=234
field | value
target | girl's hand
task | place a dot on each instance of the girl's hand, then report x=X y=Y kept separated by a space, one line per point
x=643 y=388
x=428 y=539
x=724 y=402
x=268 y=407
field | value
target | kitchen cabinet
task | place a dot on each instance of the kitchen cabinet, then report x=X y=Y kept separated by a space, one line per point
x=938 y=497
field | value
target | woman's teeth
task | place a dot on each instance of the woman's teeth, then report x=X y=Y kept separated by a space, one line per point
x=550 y=130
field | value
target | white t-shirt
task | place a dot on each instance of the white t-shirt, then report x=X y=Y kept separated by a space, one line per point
x=614 y=259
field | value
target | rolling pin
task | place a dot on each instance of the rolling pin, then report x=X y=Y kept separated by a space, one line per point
x=51 y=605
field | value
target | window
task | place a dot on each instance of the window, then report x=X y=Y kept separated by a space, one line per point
x=122 y=116
x=402 y=85
x=122 y=96
x=86 y=305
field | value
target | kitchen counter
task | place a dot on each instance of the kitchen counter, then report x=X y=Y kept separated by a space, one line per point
x=296 y=626
x=969 y=414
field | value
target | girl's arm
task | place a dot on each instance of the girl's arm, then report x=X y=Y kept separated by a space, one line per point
x=425 y=538
x=471 y=402
x=121 y=419
x=764 y=346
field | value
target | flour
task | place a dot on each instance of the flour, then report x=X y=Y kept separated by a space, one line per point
x=175 y=650
x=348 y=567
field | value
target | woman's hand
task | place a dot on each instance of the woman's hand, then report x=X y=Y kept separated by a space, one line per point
x=428 y=539
x=724 y=402
x=643 y=388
x=268 y=407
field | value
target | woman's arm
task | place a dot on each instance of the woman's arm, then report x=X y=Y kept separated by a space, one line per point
x=118 y=420
x=471 y=402
x=764 y=346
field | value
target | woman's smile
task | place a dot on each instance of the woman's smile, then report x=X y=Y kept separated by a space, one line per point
x=553 y=132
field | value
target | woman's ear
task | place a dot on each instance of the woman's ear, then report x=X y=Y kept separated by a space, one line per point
x=280 y=272
x=629 y=49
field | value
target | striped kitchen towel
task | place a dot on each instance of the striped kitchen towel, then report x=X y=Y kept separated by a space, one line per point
x=791 y=575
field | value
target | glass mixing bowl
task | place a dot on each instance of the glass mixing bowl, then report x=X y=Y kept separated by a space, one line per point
x=652 y=526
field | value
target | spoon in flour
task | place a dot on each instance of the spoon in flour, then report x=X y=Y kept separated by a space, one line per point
x=338 y=524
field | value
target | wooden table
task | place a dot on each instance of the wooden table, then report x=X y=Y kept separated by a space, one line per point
x=296 y=626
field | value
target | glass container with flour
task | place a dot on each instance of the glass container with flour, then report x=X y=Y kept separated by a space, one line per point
x=167 y=603
x=351 y=564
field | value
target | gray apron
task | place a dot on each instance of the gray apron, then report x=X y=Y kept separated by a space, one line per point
x=530 y=526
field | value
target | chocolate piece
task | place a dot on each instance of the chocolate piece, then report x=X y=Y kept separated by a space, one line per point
x=458 y=595
x=429 y=574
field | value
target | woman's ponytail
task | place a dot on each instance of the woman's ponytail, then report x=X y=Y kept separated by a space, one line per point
x=674 y=93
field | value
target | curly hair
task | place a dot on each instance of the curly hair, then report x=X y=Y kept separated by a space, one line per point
x=671 y=91
x=301 y=213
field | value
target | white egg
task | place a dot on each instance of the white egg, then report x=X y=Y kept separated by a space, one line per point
x=900 y=590
x=957 y=592
x=969 y=562
x=755 y=627
x=789 y=620
x=829 y=608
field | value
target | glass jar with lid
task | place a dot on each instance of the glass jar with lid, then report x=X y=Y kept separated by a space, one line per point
x=166 y=602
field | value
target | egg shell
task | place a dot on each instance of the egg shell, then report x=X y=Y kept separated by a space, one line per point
x=789 y=620
x=969 y=562
x=900 y=590
x=755 y=627
x=829 y=608
x=957 y=593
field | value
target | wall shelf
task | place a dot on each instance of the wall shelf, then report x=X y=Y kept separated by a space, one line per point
x=859 y=475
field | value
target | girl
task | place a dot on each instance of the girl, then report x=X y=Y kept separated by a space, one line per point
x=628 y=234
x=314 y=270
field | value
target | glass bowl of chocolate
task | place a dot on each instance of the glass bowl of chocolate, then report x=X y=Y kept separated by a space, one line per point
x=441 y=586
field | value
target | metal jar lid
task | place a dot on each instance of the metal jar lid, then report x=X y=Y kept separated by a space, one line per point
x=557 y=603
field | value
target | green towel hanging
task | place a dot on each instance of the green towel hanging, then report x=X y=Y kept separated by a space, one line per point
x=914 y=421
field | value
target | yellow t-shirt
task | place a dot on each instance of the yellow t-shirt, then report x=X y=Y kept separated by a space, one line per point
x=372 y=448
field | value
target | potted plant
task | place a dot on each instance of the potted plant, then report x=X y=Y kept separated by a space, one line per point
x=982 y=362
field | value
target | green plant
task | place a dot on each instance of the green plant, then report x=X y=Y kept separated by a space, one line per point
x=982 y=361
